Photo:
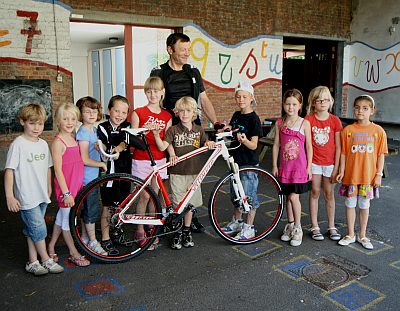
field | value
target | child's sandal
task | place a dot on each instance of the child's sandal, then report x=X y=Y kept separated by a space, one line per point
x=334 y=235
x=316 y=236
x=79 y=261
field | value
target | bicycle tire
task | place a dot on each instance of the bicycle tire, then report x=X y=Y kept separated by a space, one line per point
x=268 y=214
x=122 y=236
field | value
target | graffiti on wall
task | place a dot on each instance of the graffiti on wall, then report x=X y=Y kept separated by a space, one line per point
x=16 y=93
x=370 y=69
x=26 y=35
x=258 y=59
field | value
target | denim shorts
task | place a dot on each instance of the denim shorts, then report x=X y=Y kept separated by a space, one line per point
x=91 y=208
x=250 y=185
x=34 y=223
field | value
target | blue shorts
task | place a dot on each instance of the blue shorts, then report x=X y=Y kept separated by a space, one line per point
x=250 y=186
x=91 y=208
x=34 y=223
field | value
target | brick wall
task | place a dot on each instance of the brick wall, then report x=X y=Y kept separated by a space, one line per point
x=230 y=21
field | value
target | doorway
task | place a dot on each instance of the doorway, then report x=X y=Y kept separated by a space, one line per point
x=308 y=63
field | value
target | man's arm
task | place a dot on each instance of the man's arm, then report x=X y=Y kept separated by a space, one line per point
x=207 y=107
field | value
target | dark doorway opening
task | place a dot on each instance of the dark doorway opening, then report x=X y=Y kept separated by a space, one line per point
x=308 y=63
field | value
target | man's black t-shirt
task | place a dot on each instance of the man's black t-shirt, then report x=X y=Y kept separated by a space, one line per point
x=250 y=125
x=187 y=82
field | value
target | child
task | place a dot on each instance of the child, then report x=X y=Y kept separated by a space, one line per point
x=249 y=126
x=325 y=133
x=68 y=169
x=27 y=183
x=115 y=140
x=293 y=145
x=364 y=146
x=150 y=116
x=180 y=139
x=91 y=112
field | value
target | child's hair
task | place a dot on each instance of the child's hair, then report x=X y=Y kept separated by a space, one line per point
x=91 y=103
x=187 y=102
x=316 y=93
x=62 y=109
x=116 y=98
x=296 y=94
x=33 y=112
x=367 y=98
x=153 y=83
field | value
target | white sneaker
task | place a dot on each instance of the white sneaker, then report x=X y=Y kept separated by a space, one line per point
x=347 y=240
x=234 y=226
x=297 y=236
x=36 y=268
x=96 y=247
x=247 y=232
x=287 y=232
x=51 y=266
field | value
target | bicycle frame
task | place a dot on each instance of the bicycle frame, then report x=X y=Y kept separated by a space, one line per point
x=220 y=149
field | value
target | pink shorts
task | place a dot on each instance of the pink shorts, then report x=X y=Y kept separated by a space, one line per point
x=142 y=168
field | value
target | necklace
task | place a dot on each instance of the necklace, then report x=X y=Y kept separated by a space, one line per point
x=291 y=124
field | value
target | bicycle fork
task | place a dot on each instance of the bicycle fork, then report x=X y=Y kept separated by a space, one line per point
x=237 y=186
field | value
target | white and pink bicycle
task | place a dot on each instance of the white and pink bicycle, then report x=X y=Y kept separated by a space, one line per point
x=228 y=193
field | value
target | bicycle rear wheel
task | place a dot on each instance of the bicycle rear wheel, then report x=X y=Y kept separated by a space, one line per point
x=266 y=196
x=108 y=202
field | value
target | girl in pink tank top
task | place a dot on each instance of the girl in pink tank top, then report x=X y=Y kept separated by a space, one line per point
x=69 y=170
x=293 y=145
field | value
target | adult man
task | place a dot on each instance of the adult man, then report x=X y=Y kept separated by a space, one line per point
x=180 y=79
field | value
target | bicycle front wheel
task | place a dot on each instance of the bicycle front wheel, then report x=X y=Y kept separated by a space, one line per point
x=97 y=211
x=264 y=195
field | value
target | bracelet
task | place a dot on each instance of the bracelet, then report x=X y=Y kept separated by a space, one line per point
x=380 y=174
x=66 y=195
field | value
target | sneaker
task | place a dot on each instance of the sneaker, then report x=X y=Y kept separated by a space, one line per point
x=177 y=240
x=297 y=236
x=347 y=240
x=287 y=232
x=247 y=232
x=51 y=266
x=36 y=268
x=187 y=239
x=96 y=247
x=196 y=226
x=365 y=242
x=233 y=227
x=109 y=247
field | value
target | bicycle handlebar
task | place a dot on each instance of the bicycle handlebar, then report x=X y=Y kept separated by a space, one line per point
x=105 y=154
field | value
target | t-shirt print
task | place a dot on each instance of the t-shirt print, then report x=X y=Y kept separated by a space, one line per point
x=321 y=135
x=187 y=139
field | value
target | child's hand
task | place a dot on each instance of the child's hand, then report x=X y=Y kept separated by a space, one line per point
x=210 y=144
x=69 y=201
x=241 y=137
x=13 y=205
x=377 y=181
x=225 y=128
x=96 y=146
x=103 y=167
x=339 y=177
x=173 y=160
x=309 y=173
x=275 y=171
x=333 y=177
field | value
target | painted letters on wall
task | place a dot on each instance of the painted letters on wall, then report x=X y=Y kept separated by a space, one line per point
x=257 y=59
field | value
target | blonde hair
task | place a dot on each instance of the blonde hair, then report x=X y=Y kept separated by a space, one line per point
x=153 y=83
x=186 y=102
x=33 y=112
x=314 y=95
x=92 y=103
x=62 y=109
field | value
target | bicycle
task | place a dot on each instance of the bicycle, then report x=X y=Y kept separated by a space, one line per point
x=226 y=195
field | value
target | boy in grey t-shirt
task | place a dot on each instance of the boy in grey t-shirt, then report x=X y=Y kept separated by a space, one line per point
x=27 y=183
